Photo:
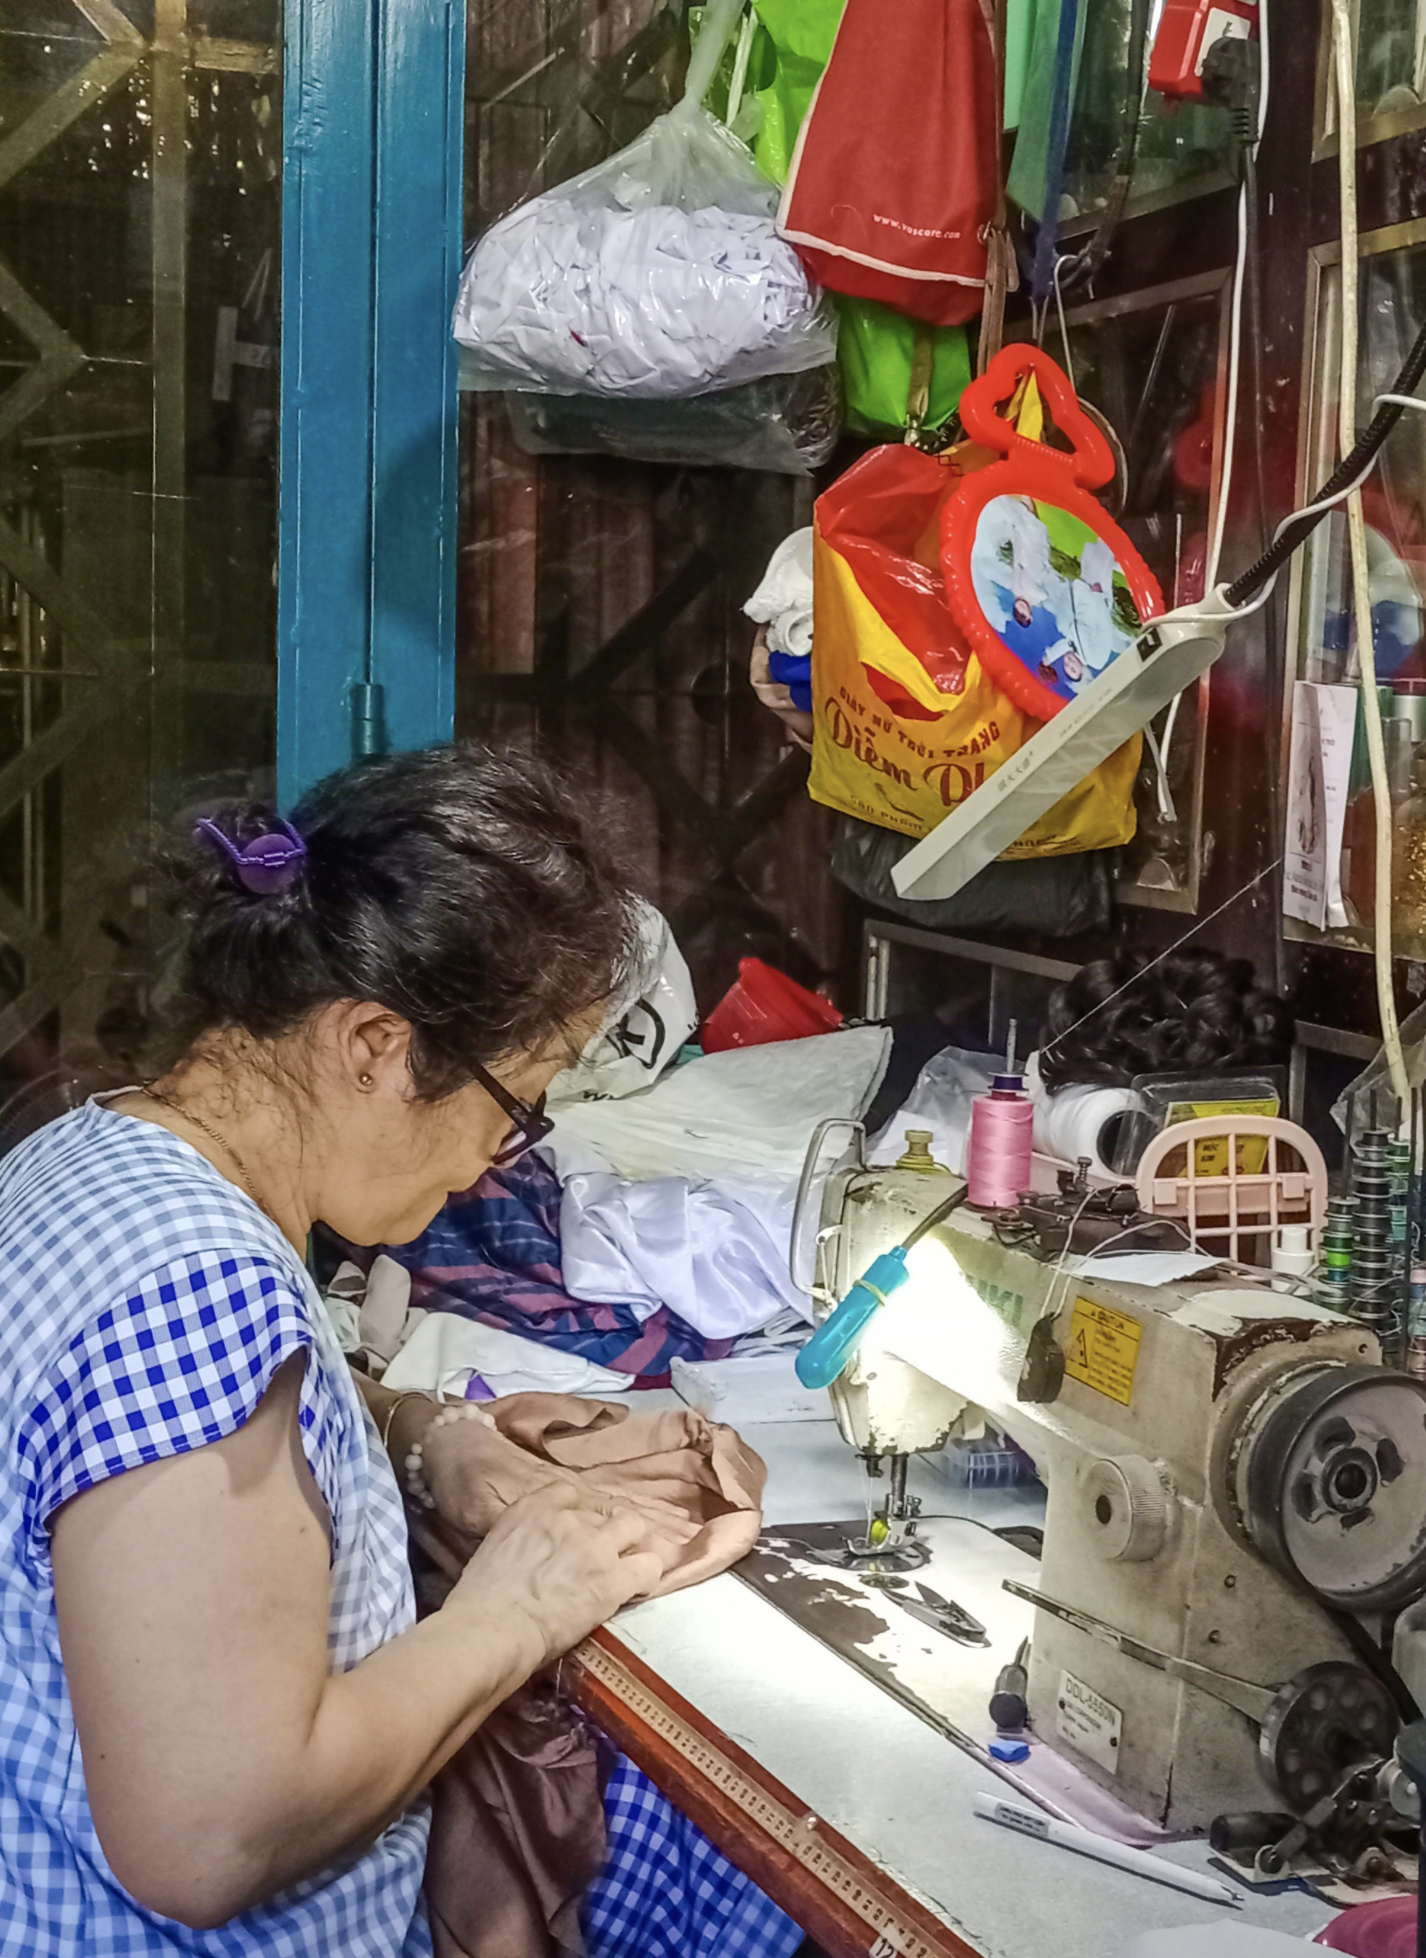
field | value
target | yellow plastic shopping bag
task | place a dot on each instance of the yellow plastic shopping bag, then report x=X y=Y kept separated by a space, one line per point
x=906 y=723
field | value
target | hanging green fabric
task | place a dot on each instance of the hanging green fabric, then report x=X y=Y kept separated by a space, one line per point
x=876 y=351
x=802 y=33
x=876 y=347
x=1031 y=163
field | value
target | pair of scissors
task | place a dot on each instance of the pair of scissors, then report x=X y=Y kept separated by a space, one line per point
x=940 y=1614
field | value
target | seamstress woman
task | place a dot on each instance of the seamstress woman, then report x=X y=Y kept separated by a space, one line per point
x=216 y=1713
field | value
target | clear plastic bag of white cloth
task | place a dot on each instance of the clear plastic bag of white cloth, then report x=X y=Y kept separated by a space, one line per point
x=656 y=275
x=784 y=424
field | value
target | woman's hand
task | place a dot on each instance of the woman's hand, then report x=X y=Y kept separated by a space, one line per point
x=772 y=693
x=475 y=1475
x=559 y=1566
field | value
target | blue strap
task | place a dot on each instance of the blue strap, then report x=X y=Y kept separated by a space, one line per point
x=1042 y=276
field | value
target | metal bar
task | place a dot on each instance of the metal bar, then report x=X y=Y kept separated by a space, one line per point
x=56 y=112
x=648 y=624
x=232 y=57
x=28 y=768
x=111 y=21
x=170 y=380
x=1243 y=1694
x=32 y=570
x=60 y=355
x=966 y=948
x=1334 y=1040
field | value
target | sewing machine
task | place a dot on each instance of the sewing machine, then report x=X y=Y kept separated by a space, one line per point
x=1237 y=1506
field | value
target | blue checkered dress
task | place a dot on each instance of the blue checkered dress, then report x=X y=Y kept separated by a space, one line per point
x=147 y=1305
x=666 y=1892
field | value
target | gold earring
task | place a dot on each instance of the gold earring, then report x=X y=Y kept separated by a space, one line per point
x=366 y=1082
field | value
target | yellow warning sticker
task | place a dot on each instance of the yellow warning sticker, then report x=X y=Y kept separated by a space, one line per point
x=1103 y=1350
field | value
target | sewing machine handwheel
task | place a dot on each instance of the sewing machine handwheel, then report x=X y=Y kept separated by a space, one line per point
x=1321 y=1722
x=1322 y=1476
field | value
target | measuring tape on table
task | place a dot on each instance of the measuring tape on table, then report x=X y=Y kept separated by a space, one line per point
x=897 y=1934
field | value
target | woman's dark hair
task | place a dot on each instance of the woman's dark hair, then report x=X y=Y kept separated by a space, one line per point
x=462 y=889
x=1121 y=1017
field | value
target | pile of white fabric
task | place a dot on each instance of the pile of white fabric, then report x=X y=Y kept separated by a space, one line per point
x=682 y=1194
x=657 y=275
x=647 y=304
x=677 y=1191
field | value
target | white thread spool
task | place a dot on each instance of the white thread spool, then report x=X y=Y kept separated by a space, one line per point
x=1077 y=1122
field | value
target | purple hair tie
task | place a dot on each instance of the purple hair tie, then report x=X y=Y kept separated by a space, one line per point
x=268 y=864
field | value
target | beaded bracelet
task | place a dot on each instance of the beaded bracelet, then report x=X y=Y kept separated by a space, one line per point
x=415 y=1459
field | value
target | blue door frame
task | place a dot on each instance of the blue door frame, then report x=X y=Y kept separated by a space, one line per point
x=372 y=218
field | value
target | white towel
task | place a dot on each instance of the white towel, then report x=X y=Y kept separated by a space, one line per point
x=783 y=600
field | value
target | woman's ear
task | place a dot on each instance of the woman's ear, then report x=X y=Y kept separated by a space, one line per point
x=369 y=1045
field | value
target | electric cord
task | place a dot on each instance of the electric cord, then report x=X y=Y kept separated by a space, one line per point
x=1344 y=52
x=934 y=1217
x=1351 y=472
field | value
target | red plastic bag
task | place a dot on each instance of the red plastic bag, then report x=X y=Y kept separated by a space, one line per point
x=895 y=179
x=763 y=1004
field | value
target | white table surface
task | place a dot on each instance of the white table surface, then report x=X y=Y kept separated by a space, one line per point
x=881 y=1776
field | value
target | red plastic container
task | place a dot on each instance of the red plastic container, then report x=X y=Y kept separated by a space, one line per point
x=765 y=1005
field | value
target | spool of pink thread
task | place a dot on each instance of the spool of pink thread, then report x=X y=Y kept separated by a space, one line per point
x=1002 y=1126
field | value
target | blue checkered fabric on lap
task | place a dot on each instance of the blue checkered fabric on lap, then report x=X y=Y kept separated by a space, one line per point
x=666 y=1892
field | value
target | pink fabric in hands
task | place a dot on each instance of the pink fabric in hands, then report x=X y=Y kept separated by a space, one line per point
x=696 y=1481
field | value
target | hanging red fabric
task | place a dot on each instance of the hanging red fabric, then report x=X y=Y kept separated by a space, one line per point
x=895 y=180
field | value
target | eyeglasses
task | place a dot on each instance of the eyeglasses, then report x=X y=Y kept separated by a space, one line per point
x=530 y=1123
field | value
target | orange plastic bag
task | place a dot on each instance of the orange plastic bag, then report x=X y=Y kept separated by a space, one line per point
x=906 y=724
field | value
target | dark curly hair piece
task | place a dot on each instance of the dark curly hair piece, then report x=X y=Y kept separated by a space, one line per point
x=1121 y=1017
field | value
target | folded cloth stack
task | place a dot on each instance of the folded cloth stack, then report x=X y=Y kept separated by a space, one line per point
x=669 y=1238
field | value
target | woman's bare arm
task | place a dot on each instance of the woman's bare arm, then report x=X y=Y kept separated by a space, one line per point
x=222 y=1761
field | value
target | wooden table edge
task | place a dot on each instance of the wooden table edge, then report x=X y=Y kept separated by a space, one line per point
x=840 y=1898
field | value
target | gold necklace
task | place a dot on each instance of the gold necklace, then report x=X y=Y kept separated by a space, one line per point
x=197 y=1121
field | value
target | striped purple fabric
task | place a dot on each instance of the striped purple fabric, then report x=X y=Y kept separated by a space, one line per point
x=493 y=1254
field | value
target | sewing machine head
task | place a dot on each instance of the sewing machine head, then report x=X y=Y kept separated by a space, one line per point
x=1237 y=1501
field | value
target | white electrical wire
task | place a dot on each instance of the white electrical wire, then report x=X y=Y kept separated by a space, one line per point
x=1060 y=264
x=1235 y=348
x=1230 y=419
x=1344 y=72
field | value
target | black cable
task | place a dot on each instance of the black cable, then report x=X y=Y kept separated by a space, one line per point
x=1298 y=529
x=934 y=1217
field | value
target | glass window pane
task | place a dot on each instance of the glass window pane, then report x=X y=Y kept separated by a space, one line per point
x=1152 y=376
x=1391 y=40
x=1392 y=305
x=139 y=261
